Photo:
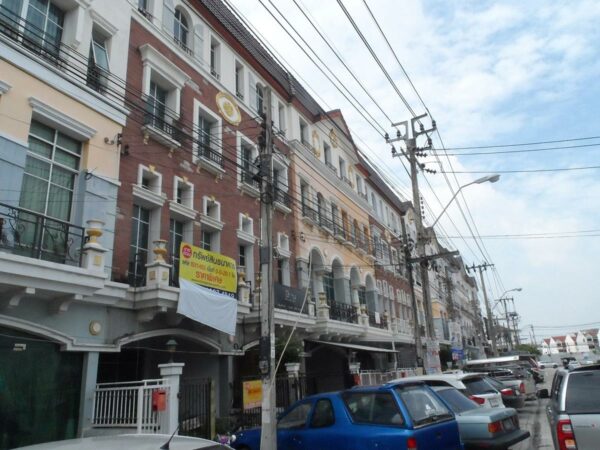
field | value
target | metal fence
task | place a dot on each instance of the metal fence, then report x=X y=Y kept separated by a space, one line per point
x=374 y=377
x=130 y=405
x=195 y=406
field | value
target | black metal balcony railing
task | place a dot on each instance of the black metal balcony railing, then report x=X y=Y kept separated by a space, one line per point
x=373 y=321
x=97 y=77
x=206 y=152
x=183 y=46
x=290 y=299
x=309 y=212
x=346 y=180
x=157 y=117
x=282 y=197
x=35 y=235
x=248 y=178
x=331 y=166
x=324 y=221
x=342 y=312
x=136 y=275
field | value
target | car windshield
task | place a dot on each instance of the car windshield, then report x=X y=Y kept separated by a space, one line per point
x=422 y=404
x=477 y=386
x=495 y=383
x=583 y=393
x=457 y=401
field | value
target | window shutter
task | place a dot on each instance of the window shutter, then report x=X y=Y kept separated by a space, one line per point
x=199 y=42
x=252 y=90
x=169 y=17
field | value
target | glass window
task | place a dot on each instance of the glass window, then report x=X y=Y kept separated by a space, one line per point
x=138 y=247
x=458 y=401
x=323 y=414
x=259 y=98
x=477 y=386
x=98 y=68
x=296 y=418
x=583 y=393
x=373 y=407
x=214 y=58
x=205 y=126
x=242 y=256
x=422 y=404
x=328 y=285
x=180 y=32
x=206 y=240
x=44 y=26
x=175 y=240
x=239 y=80
x=156 y=108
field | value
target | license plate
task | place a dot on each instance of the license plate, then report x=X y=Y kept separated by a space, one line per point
x=508 y=424
x=494 y=403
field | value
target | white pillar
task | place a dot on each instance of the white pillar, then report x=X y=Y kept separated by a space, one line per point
x=88 y=387
x=171 y=372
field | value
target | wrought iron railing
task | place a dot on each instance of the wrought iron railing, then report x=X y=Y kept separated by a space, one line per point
x=206 y=152
x=248 y=178
x=290 y=299
x=282 y=197
x=331 y=166
x=27 y=233
x=373 y=320
x=157 y=117
x=136 y=275
x=342 y=312
x=309 y=212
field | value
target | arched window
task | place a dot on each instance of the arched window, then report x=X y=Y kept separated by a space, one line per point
x=180 y=30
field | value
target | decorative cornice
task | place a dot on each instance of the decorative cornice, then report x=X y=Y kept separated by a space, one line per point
x=103 y=23
x=60 y=120
x=4 y=87
x=158 y=62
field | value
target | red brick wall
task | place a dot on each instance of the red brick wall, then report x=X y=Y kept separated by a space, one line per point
x=153 y=153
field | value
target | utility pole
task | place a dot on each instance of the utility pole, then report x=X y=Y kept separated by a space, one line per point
x=417 y=327
x=411 y=152
x=533 y=334
x=508 y=327
x=488 y=308
x=268 y=435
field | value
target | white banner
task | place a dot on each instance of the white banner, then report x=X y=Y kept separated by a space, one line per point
x=206 y=306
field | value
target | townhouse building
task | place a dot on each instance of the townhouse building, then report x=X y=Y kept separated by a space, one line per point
x=62 y=112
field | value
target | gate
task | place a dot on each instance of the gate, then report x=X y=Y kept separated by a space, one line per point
x=195 y=407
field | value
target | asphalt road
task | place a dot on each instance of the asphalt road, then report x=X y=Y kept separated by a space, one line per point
x=533 y=418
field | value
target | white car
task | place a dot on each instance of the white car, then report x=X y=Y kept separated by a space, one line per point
x=470 y=384
x=130 y=442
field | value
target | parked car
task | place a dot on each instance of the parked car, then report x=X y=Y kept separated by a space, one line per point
x=399 y=415
x=470 y=384
x=544 y=364
x=511 y=395
x=514 y=376
x=567 y=360
x=574 y=408
x=130 y=442
x=482 y=428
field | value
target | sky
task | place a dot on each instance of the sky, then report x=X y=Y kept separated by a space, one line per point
x=490 y=73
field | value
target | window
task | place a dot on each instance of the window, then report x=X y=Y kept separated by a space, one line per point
x=138 y=247
x=207 y=130
x=248 y=155
x=328 y=285
x=98 y=69
x=374 y=203
x=327 y=155
x=175 y=240
x=215 y=58
x=342 y=166
x=321 y=210
x=362 y=295
x=206 y=240
x=50 y=170
x=373 y=408
x=304 y=132
x=296 y=418
x=282 y=125
x=423 y=405
x=259 y=98
x=43 y=27
x=458 y=402
x=359 y=185
x=323 y=414
x=183 y=192
x=304 y=197
x=242 y=256
x=239 y=80
x=156 y=109
x=180 y=29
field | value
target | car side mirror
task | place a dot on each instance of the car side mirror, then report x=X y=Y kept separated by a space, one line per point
x=543 y=393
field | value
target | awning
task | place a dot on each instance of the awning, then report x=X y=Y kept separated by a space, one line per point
x=356 y=346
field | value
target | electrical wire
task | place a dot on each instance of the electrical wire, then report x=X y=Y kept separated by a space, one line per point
x=558 y=169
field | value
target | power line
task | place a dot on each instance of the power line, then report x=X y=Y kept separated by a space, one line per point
x=559 y=169
x=523 y=144
x=529 y=150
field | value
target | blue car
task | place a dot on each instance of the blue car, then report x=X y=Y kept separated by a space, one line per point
x=404 y=415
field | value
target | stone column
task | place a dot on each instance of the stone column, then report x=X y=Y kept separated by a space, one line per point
x=93 y=252
x=157 y=272
x=171 y=373
x=88 y=387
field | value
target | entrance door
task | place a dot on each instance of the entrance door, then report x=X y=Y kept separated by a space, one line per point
x=39 y=390
x=195 y=407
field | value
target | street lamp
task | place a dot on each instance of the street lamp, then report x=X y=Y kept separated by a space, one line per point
x=490 y=178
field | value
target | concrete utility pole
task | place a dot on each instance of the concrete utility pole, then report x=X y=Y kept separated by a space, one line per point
x=410 y=140
x=533 y=334
x=488 y=308
x=508 y=327
x=268 y=435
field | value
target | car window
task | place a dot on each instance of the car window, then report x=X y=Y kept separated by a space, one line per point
x=373 y=407
x=457 y=401
x=495 y=383
x=583 y=393
x=422 y=404
x=477 y=386
x=557 y=384
x=323 y=414
x=295 y=418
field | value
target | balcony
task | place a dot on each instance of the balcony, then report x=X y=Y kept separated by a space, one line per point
x=34 y=235
x=250 y=184
x=282 y=200
x=290 y=299
x=309 y=214
x=158 y=125
x=342 y=312
x=209 y=159
x=373 y=320
x=331 y=166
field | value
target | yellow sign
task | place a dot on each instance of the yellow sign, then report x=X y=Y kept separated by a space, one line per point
x=252 y=396
x=208 y=269
x=228 y=108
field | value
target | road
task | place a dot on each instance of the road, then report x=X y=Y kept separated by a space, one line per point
x=533 y=418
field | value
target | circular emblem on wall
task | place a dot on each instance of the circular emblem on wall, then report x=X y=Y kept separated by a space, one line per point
x=228 y=108
x=186 y=251
x=334 y=139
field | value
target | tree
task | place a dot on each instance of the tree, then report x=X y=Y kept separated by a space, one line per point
x=528 y=348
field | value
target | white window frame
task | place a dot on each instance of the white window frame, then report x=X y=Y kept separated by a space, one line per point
x=215 y=69
x=240 y=79
x=217 y=135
